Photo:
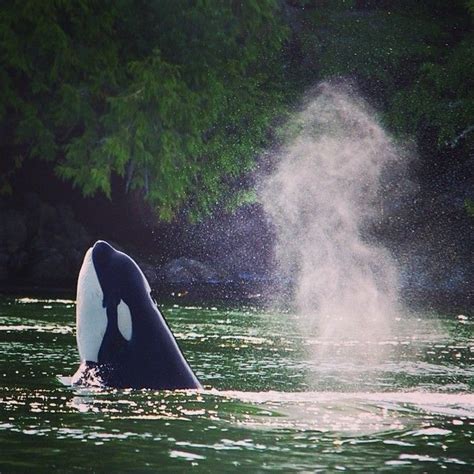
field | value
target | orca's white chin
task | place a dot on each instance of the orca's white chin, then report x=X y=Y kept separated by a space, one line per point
x=91 y=316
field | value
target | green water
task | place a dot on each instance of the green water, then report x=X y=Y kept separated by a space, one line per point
x=273 y=400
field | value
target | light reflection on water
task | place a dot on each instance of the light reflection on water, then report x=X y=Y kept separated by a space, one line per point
x=269 y=404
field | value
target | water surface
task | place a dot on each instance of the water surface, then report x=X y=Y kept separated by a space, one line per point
x=272 y=400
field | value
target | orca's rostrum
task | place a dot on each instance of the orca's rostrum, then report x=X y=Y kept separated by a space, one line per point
x=123 y=339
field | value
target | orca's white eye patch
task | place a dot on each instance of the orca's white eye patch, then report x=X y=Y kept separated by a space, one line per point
x=91 y=316
x=124 y=320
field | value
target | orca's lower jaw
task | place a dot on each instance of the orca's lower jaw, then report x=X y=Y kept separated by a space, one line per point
x=92 y=374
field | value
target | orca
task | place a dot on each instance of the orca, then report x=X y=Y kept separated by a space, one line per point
x=123 y=339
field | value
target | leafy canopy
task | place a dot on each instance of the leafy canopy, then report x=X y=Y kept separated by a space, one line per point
x=176 y=97
x=173 y=96
x=415 y=59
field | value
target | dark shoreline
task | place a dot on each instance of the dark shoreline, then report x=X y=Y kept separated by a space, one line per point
x=42 y=246
x=233 y=294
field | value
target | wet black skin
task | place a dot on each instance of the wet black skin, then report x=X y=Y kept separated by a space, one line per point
x=152 y=358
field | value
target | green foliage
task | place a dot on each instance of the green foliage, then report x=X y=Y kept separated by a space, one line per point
x=177 y=97
x=416 y=60
x=173 y=96
x=442 y=98
x=470 y=6
x=470 y=207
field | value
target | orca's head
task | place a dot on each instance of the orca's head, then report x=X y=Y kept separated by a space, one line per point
x=106 y=280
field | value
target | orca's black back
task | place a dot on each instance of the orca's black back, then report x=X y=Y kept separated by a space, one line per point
x=152 y=357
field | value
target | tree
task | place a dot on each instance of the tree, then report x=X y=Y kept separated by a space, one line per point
x=171 y=95
x=176 y=97
x=414 y=59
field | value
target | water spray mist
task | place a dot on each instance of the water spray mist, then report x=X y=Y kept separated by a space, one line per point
x=326 y=191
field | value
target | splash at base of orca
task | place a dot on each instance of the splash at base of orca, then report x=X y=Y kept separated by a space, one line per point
x=123 y=339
